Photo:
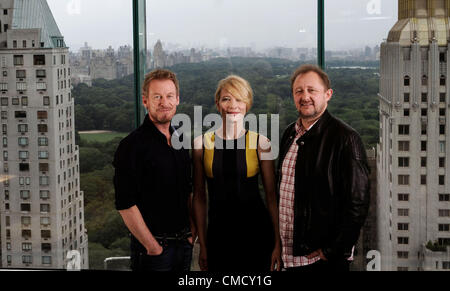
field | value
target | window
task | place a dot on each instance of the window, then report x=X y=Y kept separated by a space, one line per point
x=23 y=141
x=46 y=247
x=424 y=80
x=424 y=128
x=42 y=128
x=423 y=145
x=18 y=60
x=46 y=260
x=442 y=97
x=442 y=147
x=40 y=73
x=4 y=101
x=20 y=114
x=441 y=128
x=45 y=234
x=24 y=181
x=39 y=60
x=3 y=87
x=402 y=255
x=43 y=154
x=42 y=86
x=403 y=240
x=26 y=233
x=444 y=241
x=403 y=212
x=45 y=208
x=26 y=207
x=441 y=162
x=46 y=101
x=406 y=97
x=44 y=194
x=403 y=179
x=24 y=167
x=24 y=194
x=424 y=112
x=5 y=115
x=42 y=141
x=5 y=142
x=403 y=129
x=441 y=111
x=423 y=162
x=44 y=180
x=403 y=162
x=26 y=220
x=21 y=74
x=21 y=86
x=442 y=80
x=406 y=81
x=27 y=259
x=406 y=112
x=423 y=179
x=444 y=213
x=441 y=180
x=446 y=265
x=403 y=226
x=424 y=98
x=43 y=167
x=15 y=101
x=444 y=227
x=26 y=247
x=24 y=101
x=14 y=43
x=23 y=155
x=42 y=115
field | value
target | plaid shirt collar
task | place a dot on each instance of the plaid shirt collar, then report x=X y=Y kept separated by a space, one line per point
x=300 y=129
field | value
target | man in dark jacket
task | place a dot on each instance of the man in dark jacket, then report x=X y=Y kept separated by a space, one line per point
x=323 y=181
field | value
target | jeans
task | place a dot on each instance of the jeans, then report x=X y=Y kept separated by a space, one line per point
x=176 y=256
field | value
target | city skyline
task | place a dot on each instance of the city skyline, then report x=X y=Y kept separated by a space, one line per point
x=232 y=23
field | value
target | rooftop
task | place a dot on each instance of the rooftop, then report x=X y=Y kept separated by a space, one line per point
x=29 y=14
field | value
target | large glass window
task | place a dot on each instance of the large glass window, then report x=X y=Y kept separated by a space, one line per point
x=202 y=41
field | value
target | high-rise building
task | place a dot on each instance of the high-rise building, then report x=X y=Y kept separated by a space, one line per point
x=159 y=56
x=413 y=165
x=41 y=205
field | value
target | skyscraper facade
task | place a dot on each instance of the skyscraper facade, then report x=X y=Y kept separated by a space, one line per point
x=41 y=205
x=413 y=167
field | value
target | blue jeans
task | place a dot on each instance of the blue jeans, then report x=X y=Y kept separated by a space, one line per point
x=176 y=256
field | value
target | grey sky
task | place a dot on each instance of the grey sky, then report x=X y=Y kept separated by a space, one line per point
x=216 y=23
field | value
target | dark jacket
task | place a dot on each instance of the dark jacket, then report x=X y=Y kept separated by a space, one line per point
x=331 y=187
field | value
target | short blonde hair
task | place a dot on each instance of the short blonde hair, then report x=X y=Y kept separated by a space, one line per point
x=238 y=87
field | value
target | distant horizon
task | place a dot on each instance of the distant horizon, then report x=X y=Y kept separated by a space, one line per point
x=350 y=24
x=182 y=48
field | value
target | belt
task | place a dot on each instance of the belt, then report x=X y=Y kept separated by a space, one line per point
x=182 y=235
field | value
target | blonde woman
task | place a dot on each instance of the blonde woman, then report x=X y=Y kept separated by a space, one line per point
x=241 y=232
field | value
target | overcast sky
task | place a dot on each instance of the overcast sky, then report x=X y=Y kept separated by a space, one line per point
x=224 y=23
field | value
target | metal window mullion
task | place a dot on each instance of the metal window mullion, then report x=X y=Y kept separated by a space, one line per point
x=140 y=56
x=321 y=33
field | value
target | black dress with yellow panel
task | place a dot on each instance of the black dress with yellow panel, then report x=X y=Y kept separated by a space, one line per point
x=240 y=232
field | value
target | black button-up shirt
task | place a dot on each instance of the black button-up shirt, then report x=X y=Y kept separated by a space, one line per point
x=155 y=177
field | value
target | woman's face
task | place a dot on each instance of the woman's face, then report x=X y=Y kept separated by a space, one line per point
x=230 y=108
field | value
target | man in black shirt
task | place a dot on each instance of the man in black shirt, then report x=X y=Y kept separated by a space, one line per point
x=153 y=183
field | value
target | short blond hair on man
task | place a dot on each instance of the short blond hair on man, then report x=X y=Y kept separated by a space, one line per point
x=159 y=74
